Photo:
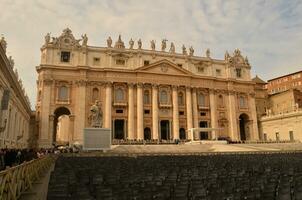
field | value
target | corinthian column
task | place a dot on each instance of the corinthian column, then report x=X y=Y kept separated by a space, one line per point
x=195 y=110
x=213 y=113
x=154 y=112
x=130 y=112
x=175 y=113
x=232 y=116
x=108 y=105
x=140 y=114
x=189 y=111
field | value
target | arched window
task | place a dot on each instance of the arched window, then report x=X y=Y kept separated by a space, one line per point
x=241 y=102
x=146 y=97
x=201 y=99
x=95 y=94
x=180 y=99
x=119 y=94
x=220 y=100
x=63 y=93
x=163 y=97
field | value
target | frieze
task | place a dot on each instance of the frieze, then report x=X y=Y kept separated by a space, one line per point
x=81 y=82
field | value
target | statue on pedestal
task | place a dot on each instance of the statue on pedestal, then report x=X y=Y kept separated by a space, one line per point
x=131 y=43
x=109 y=42
x=184 y=50
x=96 y=115
x=208 y=53
x=85 y=40
x=172 y=48
x=191 y=51
x=164 y=44
x=3 y=43
x=139 y=43
x=152 y=44
x=47 y=38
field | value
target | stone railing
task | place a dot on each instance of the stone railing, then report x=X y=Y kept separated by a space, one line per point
x=18 y=179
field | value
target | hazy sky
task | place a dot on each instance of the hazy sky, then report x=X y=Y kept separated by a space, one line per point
x=268 y=32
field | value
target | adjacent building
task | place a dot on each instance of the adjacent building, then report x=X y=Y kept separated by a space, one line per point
x=144 y=94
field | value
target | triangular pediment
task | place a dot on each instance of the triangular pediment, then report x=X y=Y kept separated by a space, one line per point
x=164 y=67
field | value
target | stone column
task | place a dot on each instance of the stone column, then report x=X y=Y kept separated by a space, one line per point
x=140 y=113
x=213 y=114
x=80 y=110
x=154 y=112
x=232 y=116
x=130 y=112
x=51 y=127
x=175 y=113
x=189 y=111
x=254 y=126
x=71 y=129
x=195 y=110
x=108 y=105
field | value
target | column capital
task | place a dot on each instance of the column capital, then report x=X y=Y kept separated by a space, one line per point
x=139 y=85
x=131 y=85
x=71 y=117
x=212 y=90
x=51 y=117
x=231 y=92
x=154 y=85
x=188 y=87
x=47 y=81
x=108 y=83
x=175 y=87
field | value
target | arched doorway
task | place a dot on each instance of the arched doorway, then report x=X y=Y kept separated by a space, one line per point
x=119 y=129
x=147 y=133
x=61 y=133
x=182 y=134
x=243 y=126
x=164 y=130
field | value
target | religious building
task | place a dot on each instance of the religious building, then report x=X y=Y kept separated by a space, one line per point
x=144 y=93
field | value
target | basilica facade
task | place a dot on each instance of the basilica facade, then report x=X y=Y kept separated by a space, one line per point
x=144 y=93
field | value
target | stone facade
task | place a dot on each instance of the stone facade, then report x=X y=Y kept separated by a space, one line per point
x=15 y=111
x=144 y=94
x=286 y=82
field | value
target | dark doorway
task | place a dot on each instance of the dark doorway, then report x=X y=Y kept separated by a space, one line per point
x=119 y=129
x=147 y=133
x=203 y=135
x=58 y=112
x=243 y=120
x=164 y=130
x=182 y=134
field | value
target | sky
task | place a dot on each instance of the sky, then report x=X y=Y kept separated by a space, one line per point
x=268 y=32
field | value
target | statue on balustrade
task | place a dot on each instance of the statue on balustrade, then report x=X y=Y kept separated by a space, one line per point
x=96 y=115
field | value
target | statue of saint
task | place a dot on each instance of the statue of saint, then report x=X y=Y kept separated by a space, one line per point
x=109 y=42
x=131 y=43
x=85 y=40
x=191 y=51
x=184 y=50
x=11 y=61
x=139 y=43
x=226 y=55
x=47 y=38
x=152 y=44
x=164 y=44
x=3 y=43
x=96 y=116
x=208 y=53
x=172 y=48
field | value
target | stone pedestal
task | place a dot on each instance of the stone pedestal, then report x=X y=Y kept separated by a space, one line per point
x=97 y=139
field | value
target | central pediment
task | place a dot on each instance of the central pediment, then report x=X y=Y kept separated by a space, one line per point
x=164 y=67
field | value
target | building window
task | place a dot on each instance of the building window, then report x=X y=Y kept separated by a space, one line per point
x=203 y=114
x=63 y=93
x=181 y=113
x=238 y=73
x=201 y=99
x=120 y=62
x=220 y=100
x=146 y=97
x=179 y=65
x=146 y=62
x=291 y=136
x=180 y=99
x=200 y=69
x=218 y=72
x=147 y=112
x=119 y=95
x=277 y=136
x=265 y=137
x=95 y=94
x=163 y=97
x=242 y=103
x=119 y=111
x=96 y=61
x=65 y=56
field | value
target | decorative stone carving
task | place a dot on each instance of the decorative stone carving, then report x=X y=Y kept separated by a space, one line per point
x=119 y=44
x=164 y=68
x=109 y=42
x=3 y=43
x=139 y=43
x=164 y=44
x=131 y=43
x=208 y=53
x=191 y=51
x=11 y=61
x=66 y=39
x=96 y=115
x=237 y=60
x=85 y=40
x=152 y=44
x=172 y=48
x=184 y=50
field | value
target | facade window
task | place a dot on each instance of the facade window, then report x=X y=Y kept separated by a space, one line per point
x=146 y=97
x=218 y=72
x=220 y=100
x=201 y=99
x=242 y=103
x=119 y=111
x=164 y=97
x=265 y=136
x=147 y=112
x=120 y=62
x=181 y=113
x=179 y=65
x=238 y=73
x=95 y=94
x=200 y=69
x=119 y=95
x=65 y=56
x=291 y=136
x=277 y=136
x=146 y=62
x=96 y=61
x=203 y=114
x=181 y=99
x=63 y=93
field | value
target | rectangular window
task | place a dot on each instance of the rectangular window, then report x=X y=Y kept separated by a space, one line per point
x=96 y=61
x=147 y=111
x=277 y=136
x=181 y=113
x=65 y=56
x=203 y=114
x=200 y=69
x=146 y=62
x=291 y=136
x=119 y=111
x=120 y=62
x=265 y=136
x=179 y=65
x=218 y=72
x=238 y=73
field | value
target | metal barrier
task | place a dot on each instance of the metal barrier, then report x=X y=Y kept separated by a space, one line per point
x=18 y=179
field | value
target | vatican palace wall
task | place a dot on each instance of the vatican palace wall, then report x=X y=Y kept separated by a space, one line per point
x=144 y=94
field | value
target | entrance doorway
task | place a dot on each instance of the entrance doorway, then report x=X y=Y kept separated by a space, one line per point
x=182 y=134
x=164 y=130
x=119 y=129
x=147 y=133
x=243 y=126
x=203 y=135
x=61 y=135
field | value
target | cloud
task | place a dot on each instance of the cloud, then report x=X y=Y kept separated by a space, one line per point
x=268 y=32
